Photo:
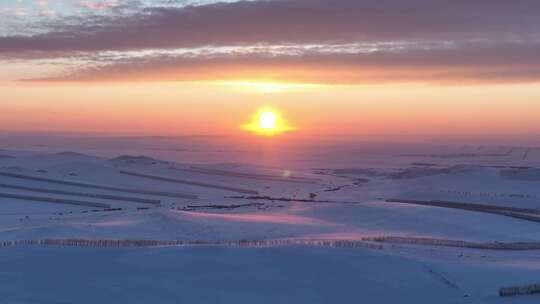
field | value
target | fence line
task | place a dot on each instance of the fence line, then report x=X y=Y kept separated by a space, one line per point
x=455 y=243
x=369 y=242
x=519 y=290
x=104 y=243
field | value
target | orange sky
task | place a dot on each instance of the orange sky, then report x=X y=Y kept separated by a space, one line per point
x=179 y=108
x=377 y=68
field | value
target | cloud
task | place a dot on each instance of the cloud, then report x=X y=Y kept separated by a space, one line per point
x=100 y=5
x=289 y=21
x=41 y=2
x=319 y=41
x=466 y=63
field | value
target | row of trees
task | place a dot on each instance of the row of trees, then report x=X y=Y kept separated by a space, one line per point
x=367 y=242
x=456 y=243
x=490 y=194
x=156 y=243
x=519 y=290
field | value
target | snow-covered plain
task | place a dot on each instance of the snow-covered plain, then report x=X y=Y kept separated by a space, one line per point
x=211 y=195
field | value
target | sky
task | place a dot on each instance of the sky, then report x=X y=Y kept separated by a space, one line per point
x=350 y=68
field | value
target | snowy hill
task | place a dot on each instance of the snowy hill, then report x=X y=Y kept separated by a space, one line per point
x=415 y=226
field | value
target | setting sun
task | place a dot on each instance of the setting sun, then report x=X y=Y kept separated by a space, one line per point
x=267 y=122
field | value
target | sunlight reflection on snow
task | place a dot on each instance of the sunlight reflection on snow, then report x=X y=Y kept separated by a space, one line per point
x=275 y=218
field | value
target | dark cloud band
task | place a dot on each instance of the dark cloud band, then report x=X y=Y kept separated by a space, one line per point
x=289 y=21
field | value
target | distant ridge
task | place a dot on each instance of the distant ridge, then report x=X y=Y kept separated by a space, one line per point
x=130 y=159
x=71 y=154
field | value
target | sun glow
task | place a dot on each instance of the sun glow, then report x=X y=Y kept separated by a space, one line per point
x=267 y=87
x=267 y=122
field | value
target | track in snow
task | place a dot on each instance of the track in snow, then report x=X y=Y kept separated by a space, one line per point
x=102 y=187
x=83 y=194
x=54 y=200
x=188 y=182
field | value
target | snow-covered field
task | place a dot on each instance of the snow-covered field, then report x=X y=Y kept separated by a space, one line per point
x=373 y=223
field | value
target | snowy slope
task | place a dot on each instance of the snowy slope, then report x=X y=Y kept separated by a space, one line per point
x=343 y=197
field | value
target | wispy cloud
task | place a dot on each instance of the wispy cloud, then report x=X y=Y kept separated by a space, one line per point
x=100 y=5
x=470 y=63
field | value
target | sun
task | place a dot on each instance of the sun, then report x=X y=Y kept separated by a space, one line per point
x=267 y=122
